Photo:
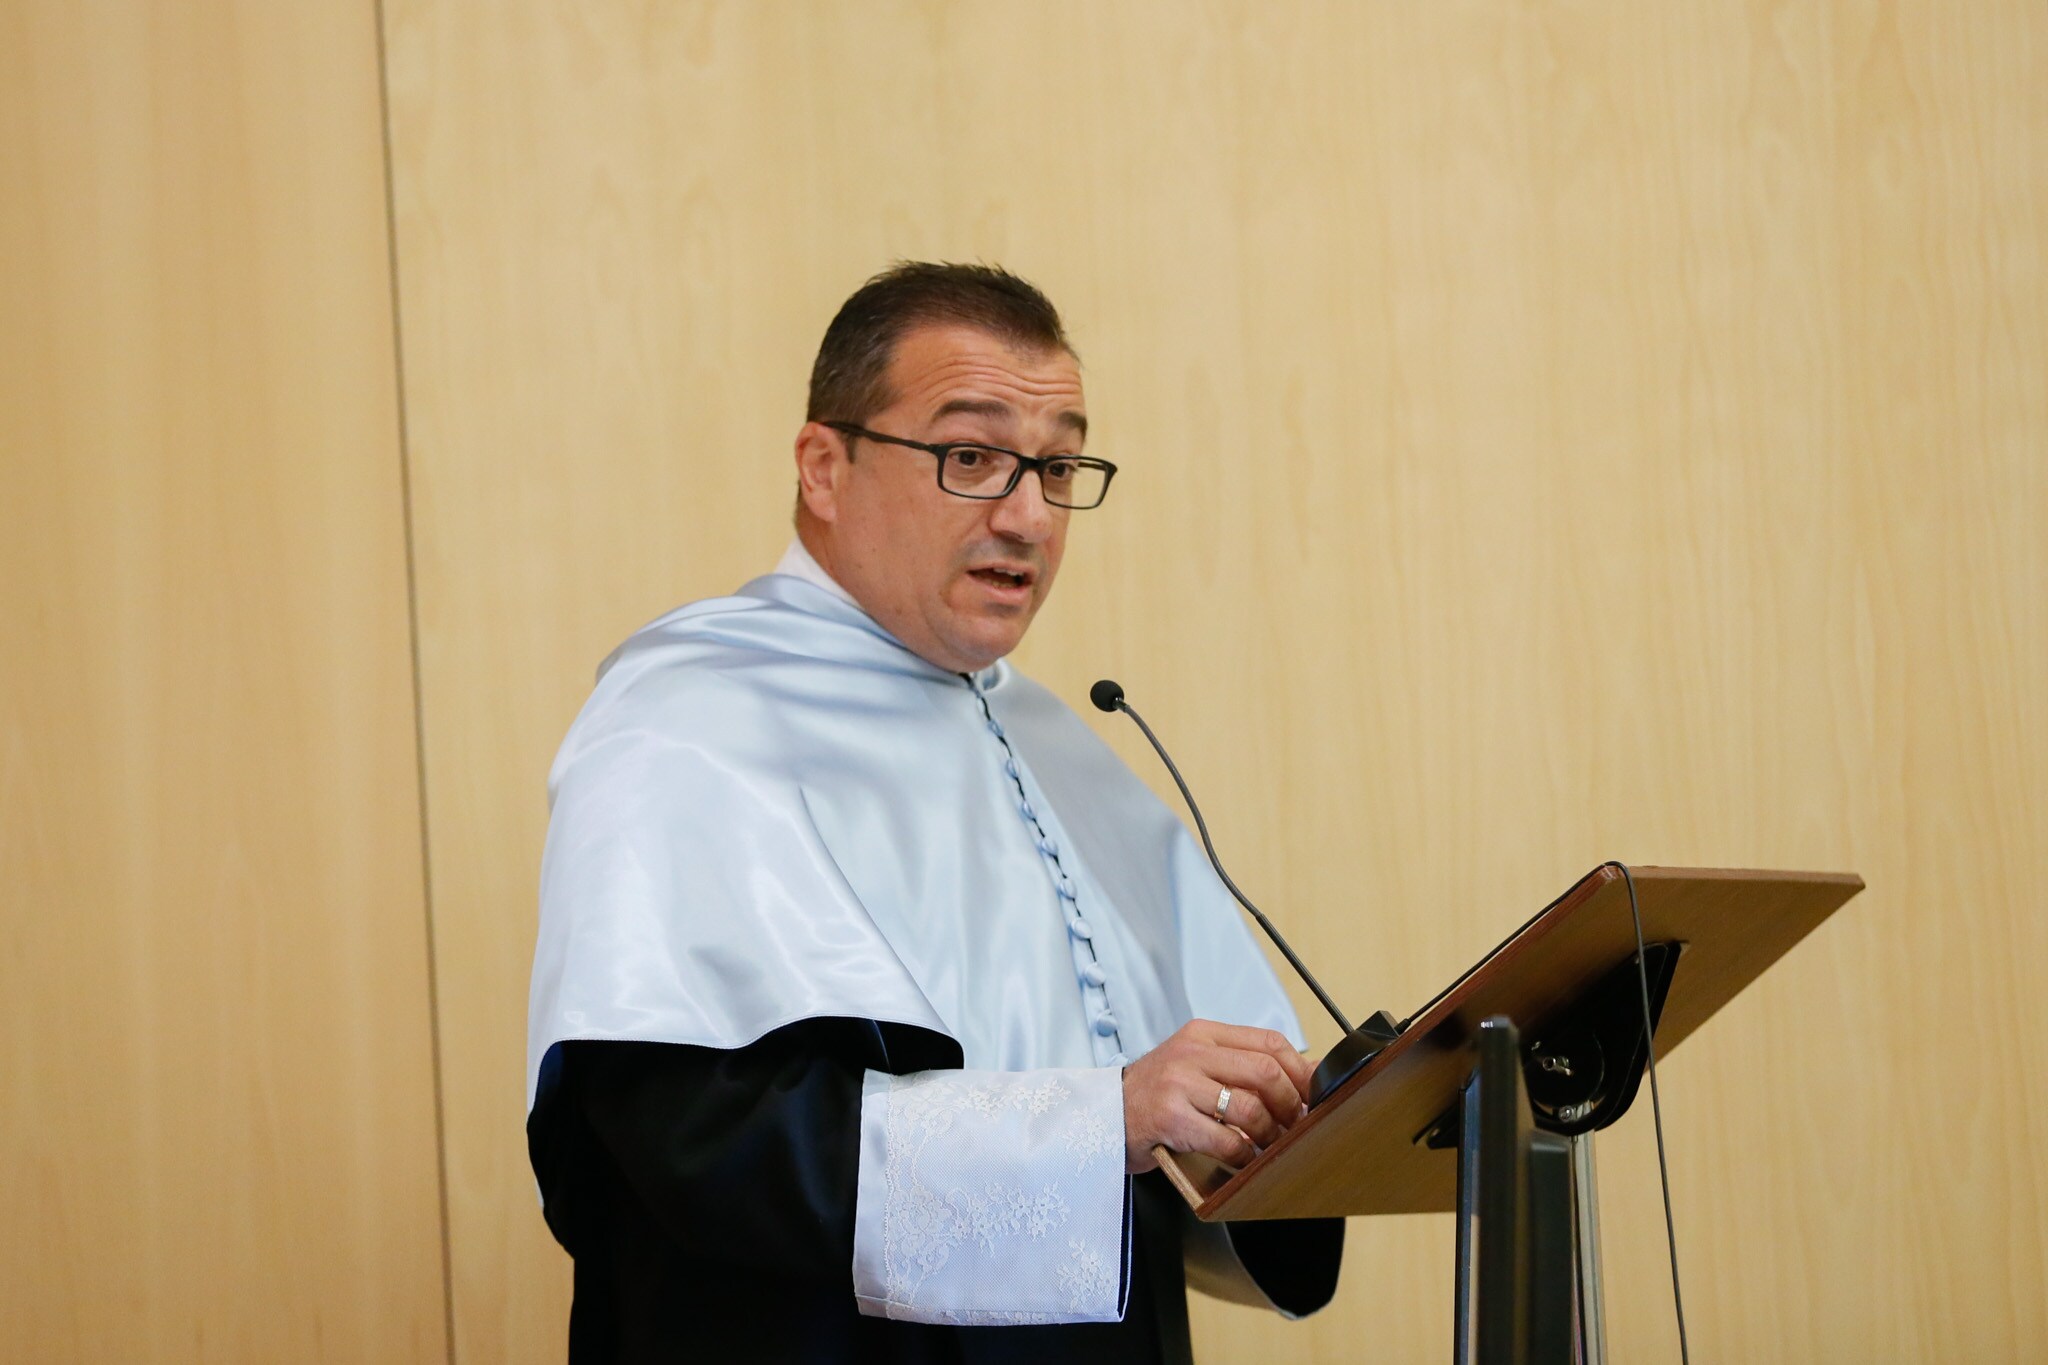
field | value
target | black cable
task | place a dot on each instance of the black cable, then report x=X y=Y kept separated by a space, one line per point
x=1656 y=1107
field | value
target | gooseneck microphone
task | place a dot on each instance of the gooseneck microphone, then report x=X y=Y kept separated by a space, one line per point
x=1360 y=1043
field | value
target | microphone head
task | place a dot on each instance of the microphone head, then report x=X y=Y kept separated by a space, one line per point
x=1106 y=695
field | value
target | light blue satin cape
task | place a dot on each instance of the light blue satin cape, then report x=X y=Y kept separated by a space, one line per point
x=769 y=810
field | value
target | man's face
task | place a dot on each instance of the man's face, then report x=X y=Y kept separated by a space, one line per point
x=955 y=579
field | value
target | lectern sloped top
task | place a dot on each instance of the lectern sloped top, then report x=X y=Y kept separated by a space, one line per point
x=1359 y=1151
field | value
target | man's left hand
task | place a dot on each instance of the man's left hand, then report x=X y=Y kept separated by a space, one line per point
x=1171 y=1094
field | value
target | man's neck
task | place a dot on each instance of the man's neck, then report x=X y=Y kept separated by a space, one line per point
x=798 y=561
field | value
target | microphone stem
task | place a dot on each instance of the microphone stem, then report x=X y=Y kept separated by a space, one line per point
x=1202 y=826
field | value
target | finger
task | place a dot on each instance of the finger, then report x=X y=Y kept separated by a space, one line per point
x=1257 y=1074
x=1248 y=1113
x=1300 y=1070
x=1201 y=1133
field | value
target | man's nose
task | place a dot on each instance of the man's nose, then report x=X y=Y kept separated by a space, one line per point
x=1025 y=515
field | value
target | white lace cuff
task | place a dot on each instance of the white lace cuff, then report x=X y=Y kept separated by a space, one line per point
x=991 y=1197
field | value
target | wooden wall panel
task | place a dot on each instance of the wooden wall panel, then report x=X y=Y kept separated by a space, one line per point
x=217 y=1121
x=1550 y=433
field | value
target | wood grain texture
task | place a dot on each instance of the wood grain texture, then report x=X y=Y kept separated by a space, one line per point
x=217 y=1131
x=1550 y=432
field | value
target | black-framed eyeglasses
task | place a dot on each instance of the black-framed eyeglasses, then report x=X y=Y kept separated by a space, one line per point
x=969 y=469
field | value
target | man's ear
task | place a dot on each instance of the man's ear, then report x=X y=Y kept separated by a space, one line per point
x=821 y=469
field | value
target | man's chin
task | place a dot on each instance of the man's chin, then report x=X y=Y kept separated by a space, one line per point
x=984 y=646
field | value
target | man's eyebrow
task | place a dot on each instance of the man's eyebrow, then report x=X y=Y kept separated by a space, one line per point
x=974 y=407
x=996 y=408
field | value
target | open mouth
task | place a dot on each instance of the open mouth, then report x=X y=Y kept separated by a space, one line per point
x=1003 y=578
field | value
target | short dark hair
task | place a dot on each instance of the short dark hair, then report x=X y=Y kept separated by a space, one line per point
x=850 y=379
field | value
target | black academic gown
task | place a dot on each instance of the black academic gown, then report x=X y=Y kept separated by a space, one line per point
x=707 y=1196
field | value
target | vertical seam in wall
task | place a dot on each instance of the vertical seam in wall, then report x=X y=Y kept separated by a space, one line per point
x=419 y=726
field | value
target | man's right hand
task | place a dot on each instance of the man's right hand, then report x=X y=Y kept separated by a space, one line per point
x=1170 y=1093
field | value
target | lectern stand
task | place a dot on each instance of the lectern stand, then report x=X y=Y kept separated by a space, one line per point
x=1387 y=1139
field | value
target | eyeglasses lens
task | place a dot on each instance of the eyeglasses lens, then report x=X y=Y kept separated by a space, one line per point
x=977 y=473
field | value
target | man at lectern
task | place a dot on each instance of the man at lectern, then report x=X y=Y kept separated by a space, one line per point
x=867 y=976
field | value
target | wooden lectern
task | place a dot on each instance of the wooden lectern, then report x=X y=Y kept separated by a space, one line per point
x=1385 y=1140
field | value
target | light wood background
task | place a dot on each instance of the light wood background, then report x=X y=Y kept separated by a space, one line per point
x=217 y=1124
x=1550 y=432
